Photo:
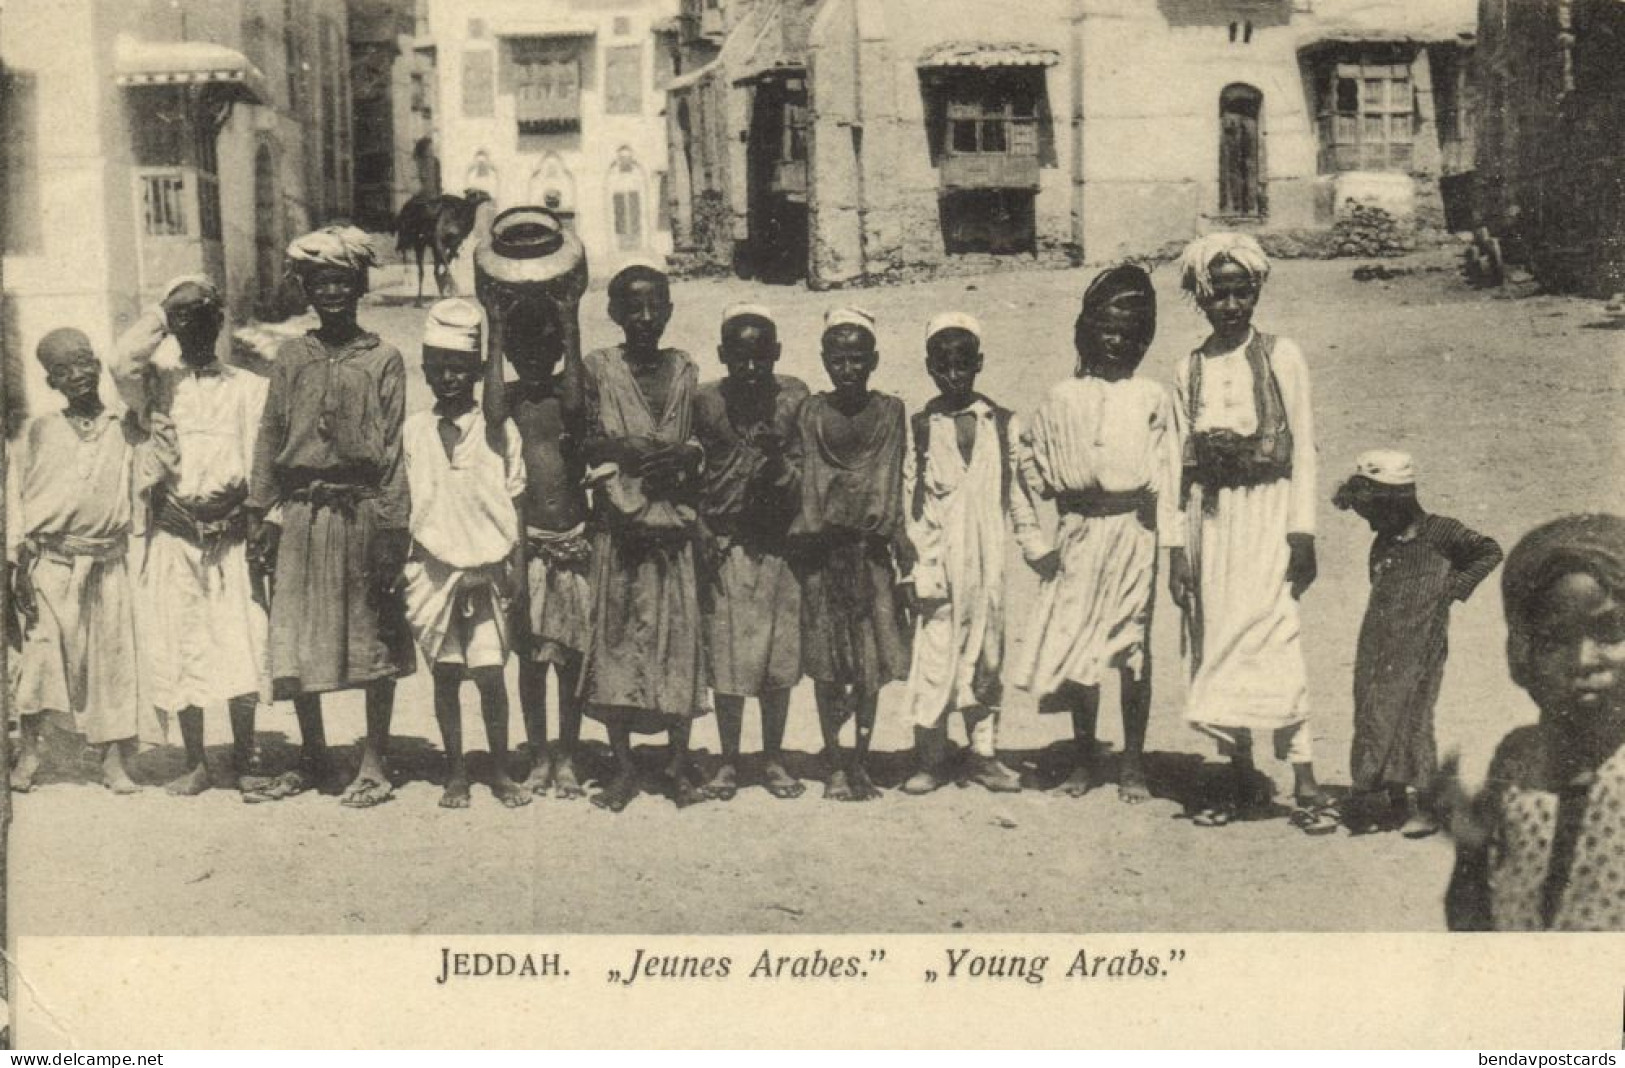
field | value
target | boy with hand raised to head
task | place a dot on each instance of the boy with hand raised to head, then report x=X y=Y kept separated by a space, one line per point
x=851 y=545
x=464 y=475
x=749 y=495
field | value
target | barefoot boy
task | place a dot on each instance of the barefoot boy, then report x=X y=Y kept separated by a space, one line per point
x=1103 y=447
x=851 y=540
x=644 y=666
x=555 y=600
x=1420 y=564
x=203 y=631
x=464 y=475
x=329 y=497
x=1542 y=847
x=76 y=471
x=749 y=494
x=960 y=483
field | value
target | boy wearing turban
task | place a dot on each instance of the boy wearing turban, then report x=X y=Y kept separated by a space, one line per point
x=329 y=485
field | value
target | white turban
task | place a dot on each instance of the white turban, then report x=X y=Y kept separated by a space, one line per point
x=453 y=325
x=1388 y=467
x=1196 y=262
x=953 y=321
x=849 y=316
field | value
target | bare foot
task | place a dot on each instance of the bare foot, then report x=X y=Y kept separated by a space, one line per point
x=863 y=787
x=685 y=792
x=723 y=785
x=1131 y=784
x=992 y=774
x=566 y=787
x=540 y=779
x=1080 y=782
x=368 y=790
x=837 y=788
x=194 y=782
x=923 y=781
x=23 y=773
x=510 y=793
x=119 y=781
x=780 y=783
x=456 y=793
x=618 y=794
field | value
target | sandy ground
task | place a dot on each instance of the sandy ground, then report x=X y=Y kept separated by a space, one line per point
x=1510 y=406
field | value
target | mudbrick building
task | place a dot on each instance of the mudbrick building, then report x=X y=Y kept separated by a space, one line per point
x=842 y=140
x=154 y=138
x=1551 y=145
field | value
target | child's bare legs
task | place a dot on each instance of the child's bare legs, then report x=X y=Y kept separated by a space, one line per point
x=241 y=710
x=116 y=758
x=371 y=785
x=685 y=790
x=1084 y=702
x=448 y=713
x=624 y=787
x=730 y=724
x=533 y=709
x=1131 y=783
x=493 y=690
x=865 y=703
x=28 y=756
x=312 y=739
x=775 y=716
x=930 y=747
x=832 y=701
x=195 y=779
x=563 y=762
x=987 y=770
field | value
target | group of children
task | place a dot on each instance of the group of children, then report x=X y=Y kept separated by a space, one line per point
x=654 y=540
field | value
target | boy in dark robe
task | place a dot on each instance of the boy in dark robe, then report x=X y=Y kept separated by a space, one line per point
x=330 y=511
x=1420 y=565
x=644 y=666
x=749 y=494
x=852 y=542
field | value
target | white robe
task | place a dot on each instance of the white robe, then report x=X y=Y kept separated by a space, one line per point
x=1246 y=656
x=1096 y=438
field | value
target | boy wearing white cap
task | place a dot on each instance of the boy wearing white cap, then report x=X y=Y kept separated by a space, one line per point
x=1420 y=564
x=959 y=476
x=749 y=493
x=853 y=546
x=205 y=622
x=464 y=475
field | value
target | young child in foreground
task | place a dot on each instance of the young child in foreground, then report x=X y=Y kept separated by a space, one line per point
x=77 y=472
x=464 y=475
x=1542 y=846
x=750 y=491
x=1420 y=564
x=960 y=482
x=1104 y=448
x=851 y=544
x=554 y=600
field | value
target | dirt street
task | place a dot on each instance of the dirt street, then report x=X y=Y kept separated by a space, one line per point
x=1511 y=407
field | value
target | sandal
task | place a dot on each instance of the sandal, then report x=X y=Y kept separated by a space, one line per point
x=367 y=793
x=1316 y=818
x=288 y=784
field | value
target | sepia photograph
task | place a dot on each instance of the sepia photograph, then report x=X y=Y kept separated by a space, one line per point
x=795 y=469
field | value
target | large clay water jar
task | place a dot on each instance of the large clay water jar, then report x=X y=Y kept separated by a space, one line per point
x=531 y=256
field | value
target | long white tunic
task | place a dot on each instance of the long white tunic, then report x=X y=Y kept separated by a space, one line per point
x=959 y=537
x=206 y=635
x=1243 y=638
x=1094 y=440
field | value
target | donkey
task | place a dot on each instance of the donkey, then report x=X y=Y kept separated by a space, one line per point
x=439 y=224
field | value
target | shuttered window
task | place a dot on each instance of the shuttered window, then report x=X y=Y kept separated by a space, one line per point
x=1367 y=117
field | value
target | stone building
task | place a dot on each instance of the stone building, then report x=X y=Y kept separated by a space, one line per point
x=1551 y=167
x=392 y=86
x=850 y=139
x=559 y=104
x=151 y=138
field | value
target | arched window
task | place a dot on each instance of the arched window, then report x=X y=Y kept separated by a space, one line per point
x=552 y=185
x=626 y=195
x=1241 y=151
